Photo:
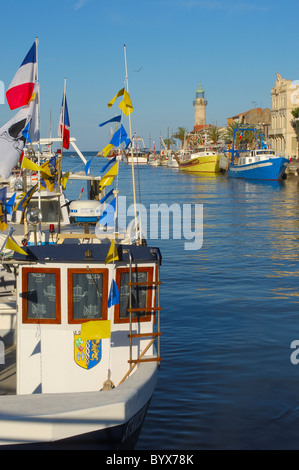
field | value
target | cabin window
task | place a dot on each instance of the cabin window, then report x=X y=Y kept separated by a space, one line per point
x=87 y=294
x=141 y=294
x=41 y=295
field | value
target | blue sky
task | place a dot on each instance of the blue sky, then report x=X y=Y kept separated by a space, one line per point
x=234 y=48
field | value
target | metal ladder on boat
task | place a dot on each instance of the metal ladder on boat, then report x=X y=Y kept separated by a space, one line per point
x=153 y=335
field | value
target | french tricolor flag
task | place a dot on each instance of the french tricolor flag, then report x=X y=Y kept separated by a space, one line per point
x=21 y=88
x=64 y=124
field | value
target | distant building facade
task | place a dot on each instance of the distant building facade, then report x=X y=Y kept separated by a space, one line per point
x=284 y=98
x=257 y=117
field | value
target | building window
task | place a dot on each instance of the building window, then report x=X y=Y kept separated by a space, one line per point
x=141 y=294
x=87 y=294
x=41 y=295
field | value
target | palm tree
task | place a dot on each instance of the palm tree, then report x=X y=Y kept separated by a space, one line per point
x=180 y=134
x=229 y=133
x=214 y=134
x=169 y=142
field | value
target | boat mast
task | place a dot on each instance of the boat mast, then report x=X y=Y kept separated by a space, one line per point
x=38 y=123
x=132 y=159
x=60 y=156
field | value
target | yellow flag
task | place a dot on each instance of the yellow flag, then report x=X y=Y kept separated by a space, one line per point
x=47 y=181
x=30 y=165
x=126 y=105
x=97 y=329
x=120 y=93
x=107 y=149
x=64 y=178
x=11 y=245
x=112 y=253
x=105 y=182
x=45 y=168
x=113 y=170
x=33 y=96
x=3 y=224
x=109 y=177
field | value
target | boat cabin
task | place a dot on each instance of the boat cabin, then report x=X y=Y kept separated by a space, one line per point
x=254 y=156
x=69 y=335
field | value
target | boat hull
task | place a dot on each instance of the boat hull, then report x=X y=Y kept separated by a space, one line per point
x=137 y=160
x=270 y=170
x=104 y=420
x=205 y=164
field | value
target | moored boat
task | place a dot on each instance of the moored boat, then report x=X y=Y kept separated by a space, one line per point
x=260 y=163
x=201 y=160
x=154 y=160
x=137 y=157
x=172 y=161
x=138 y=153
x=76 y=383
x=80 y=325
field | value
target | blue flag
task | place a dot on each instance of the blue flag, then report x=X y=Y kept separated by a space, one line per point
x=115 y=119
x=3 y=192
x=106 y=197
x=113 y=294
x=119 y=137
x=87 y=166
x=107 y=164
x=9 y=204
x=25 y=132
x=21 y=206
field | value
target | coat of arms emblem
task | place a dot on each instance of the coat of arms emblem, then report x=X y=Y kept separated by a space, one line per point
x=88 y=353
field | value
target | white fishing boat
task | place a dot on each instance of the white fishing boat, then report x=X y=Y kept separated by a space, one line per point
x=164 y=161
x=79 y=323
x=172 y=161
x=139 y=154
x=84 y=377
x=154 y=160
x=138 y=157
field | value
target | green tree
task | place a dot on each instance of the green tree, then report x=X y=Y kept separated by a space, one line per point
x=229 y=133
x=295 y=124
x=295 y=113
x=214 y=134
x=169 y=142
x=180 y=134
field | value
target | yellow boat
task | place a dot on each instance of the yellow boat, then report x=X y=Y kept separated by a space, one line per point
x=203 y=161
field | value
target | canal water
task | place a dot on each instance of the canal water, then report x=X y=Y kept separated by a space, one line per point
x=229 y=377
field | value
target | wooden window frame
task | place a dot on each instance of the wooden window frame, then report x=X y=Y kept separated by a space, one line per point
x=149 y=295
x=70 y=273
x=49 y=321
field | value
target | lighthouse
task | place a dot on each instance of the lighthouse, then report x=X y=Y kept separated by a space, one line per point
x=200 y=108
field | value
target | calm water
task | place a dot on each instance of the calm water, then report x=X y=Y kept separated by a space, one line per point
x=230 y=313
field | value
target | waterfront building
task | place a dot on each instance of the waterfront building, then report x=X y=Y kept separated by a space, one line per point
x=284 y=98
x=257 y=117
